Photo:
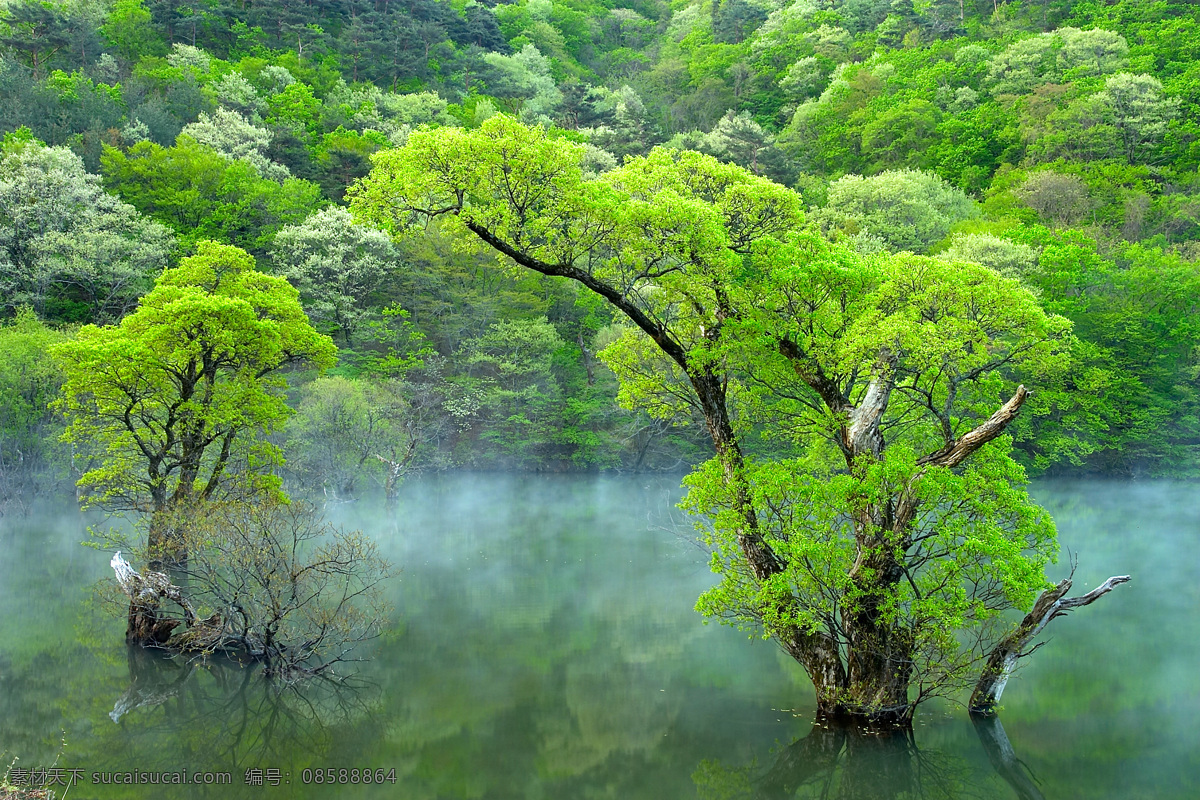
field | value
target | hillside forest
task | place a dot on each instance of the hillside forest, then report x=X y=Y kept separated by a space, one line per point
x=1054 y=142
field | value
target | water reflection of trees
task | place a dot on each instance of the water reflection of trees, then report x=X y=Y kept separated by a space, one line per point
x=228 y=716
x=1004 y=759
x=836 y=762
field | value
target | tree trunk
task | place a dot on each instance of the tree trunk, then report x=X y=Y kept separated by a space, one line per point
x=817 y=652
x=166 y=546
x=148 y=623
x=1051 y=604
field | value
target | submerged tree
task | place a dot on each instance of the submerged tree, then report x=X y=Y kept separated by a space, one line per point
x=175 y=403
x=348 y=430
x=265 y=579
x=883 y=551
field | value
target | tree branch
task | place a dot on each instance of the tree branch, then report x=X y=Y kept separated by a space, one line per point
x=1051 y=604
x=956 y=452
x=656 y=332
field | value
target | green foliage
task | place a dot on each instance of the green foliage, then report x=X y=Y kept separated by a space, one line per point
x=129 y=32
x=1135 y=312
x=907 y=210
x=1070 y=115
x=177 y=400
x=877 y=375
x=28 y=383
x=1009 y=258
x=231 y=135
x=336 y=264
x=510 y=373
x=203 y=195
x=347 y=432
x=68 y=249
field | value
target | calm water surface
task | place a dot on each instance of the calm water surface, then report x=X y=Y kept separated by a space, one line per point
x=545 y=646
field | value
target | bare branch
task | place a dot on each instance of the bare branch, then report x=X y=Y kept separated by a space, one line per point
x=1051 y=604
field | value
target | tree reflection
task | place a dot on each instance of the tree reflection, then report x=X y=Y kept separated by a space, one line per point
x=837 y=762
x=230 y=716
x=1004 y=759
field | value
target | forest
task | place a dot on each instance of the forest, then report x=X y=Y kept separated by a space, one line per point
x=1054 y=141
x=860 y=269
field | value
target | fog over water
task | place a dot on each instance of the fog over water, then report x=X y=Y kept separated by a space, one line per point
x=544 y=646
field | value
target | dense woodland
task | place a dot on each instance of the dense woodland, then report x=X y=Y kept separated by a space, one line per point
x=1054 y=142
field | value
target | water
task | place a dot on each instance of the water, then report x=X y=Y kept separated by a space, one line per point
x=544 y=646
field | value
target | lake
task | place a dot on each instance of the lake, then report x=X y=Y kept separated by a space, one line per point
x=544 y=646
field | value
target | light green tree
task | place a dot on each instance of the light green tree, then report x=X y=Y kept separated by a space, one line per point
x=1023 y=65
x=523 y=82
x=130 y=30
x=804 y=79
x=28 y=383
x=908 y=209
x=1092 y=53
x=335 y=263
x=1010 y=259
x=236 y=93
x=1141 y=112
x=349 y=430
x=65 y=242
x=175 y=403
x=881 y=553
x=234 y=137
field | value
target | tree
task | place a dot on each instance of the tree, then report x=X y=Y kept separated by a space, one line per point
x=235 y=138
x=1057 y=198
x=1011 y=259
x=510 y=369
x=1023 y=65
x=130 y=32
x=908 y=209
x=174 y=404
x=522 y=82
x=67 y=248
x=36 y=31
x=266 y=580
x=203 y=195
x=236 y=93
x=804 y=79
x=1092 y=53
x=348 y=430
x=739 y=139
x=336 y=264
x=893 y=137
x=1140 y=111
x=881 y=551
x=28 y=383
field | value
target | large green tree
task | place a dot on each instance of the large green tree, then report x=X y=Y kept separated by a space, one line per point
x=883 y=550
x=175 y=403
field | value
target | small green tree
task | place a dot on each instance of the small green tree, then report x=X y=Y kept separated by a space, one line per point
x=28 y=382
x=908 y=209
x=1011 y=259
x=336 y=264
x=1141 y=112
x=174 y=404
